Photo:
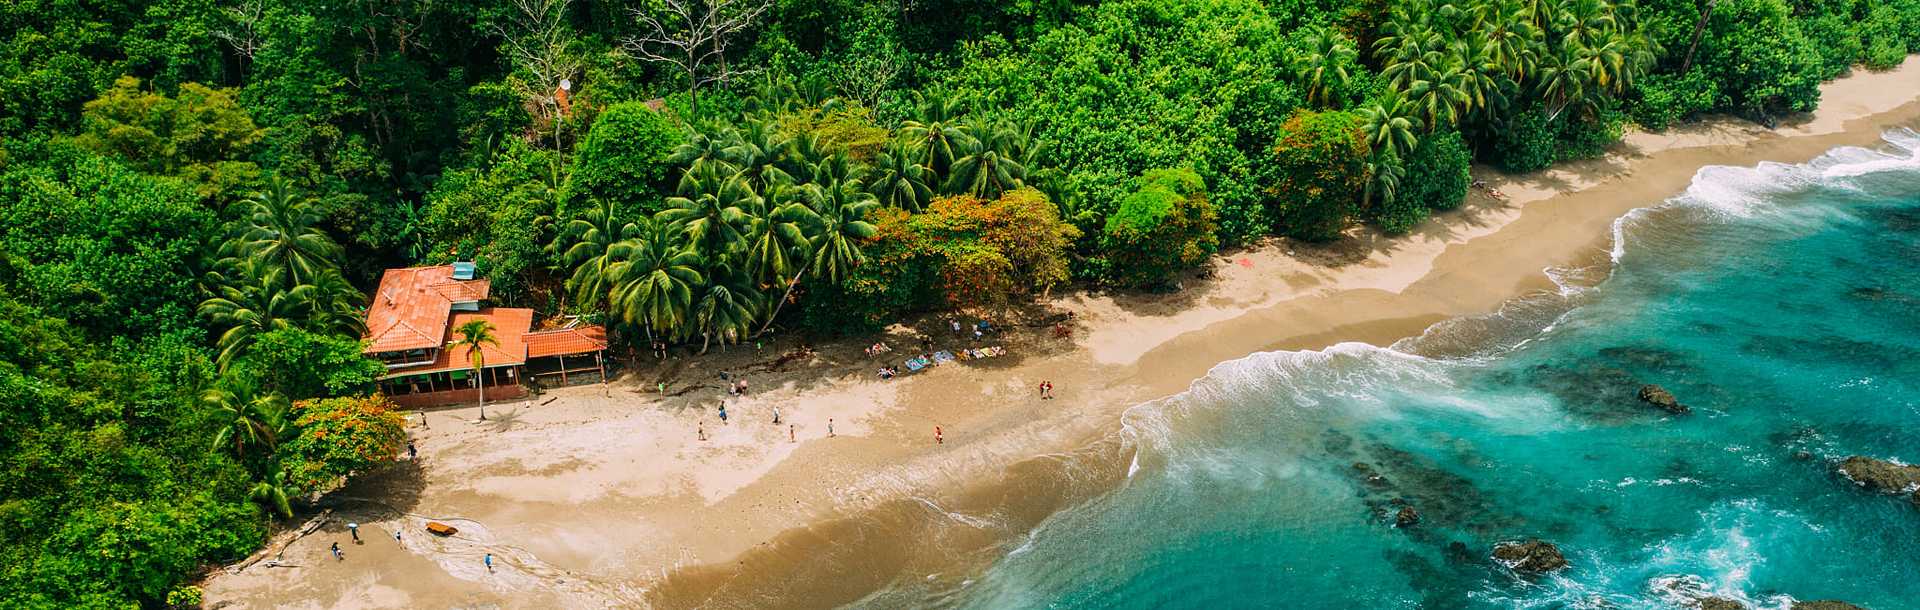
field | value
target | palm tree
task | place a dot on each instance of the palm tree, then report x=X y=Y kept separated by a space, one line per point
x=589 y=251
x=334 y=306
x=776 y=240
x=282 y=227
x=253 y=300
x=727 y=306
x=942 y=138
x=475 y=335
x=1324 y=67
x=654 y=281
x=834 y=218
x=1513 y=42
x=271 y=494
x=1390 y=123
x=757 y=153
x=710 y=212
x=1384 y=171
x=993 y=165
x=701 y=146
x=902 y=182
x=1442 y=97
x=247 y=416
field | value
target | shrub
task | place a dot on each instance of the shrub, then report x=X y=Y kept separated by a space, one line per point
x=623 y=158
x=1166 y=226
x=1665 y=99
x=1438 y=172
x=1525 y=143
x=338 y=437
x=1316 y=174
x=1589 y=136
x=1758 y=54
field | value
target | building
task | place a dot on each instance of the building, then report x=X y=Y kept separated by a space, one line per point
x=410 y=328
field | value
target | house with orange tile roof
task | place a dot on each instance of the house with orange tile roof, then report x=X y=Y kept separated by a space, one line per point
x=410 y=329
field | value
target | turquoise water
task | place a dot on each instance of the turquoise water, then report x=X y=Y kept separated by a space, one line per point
x=1782 y=303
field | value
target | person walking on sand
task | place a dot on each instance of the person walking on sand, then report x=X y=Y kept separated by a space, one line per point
x=938 y=439
x=354 y=529
x=703 y=431
x=829 y=427
x=337 y=555
x=790 y=438
x=723 y=412
x=413 y=453
x=1046 y=390
x=776 y=415
x=489 y=562
x=396 y=535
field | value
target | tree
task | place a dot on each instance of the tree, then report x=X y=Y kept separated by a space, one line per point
x=709 y=211
x=1165 y=226
x=201 y=134
x=339 y=437
x=624 y=158
x=1317 y=172
x=539 y=43
x=254 y=299
x=588 y=245
x=654 y=281
x=993 y=164
x=902 y=182
x=939 y=132
x=475 y=335
x=248 y=417
x=303 y=364
x=282 y=230
x=693 y=35
x=1326 y=66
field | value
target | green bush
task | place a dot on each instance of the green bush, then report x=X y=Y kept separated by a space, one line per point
x=1164 y=227
x=1760 y=57
x=623 y=159
x=1524 y=143
x=1588 y=136
x=1316 y=174
x=1665 y=99
x=1438 y=172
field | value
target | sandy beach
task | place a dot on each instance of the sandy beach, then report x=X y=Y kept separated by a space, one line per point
x=607 y=496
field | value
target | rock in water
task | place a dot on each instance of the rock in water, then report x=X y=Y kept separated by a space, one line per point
x=1720 y=603
x=1881 y=475
x=1407 y=517
x=1532 y=556
x=1660 y=397
x=1825 y=604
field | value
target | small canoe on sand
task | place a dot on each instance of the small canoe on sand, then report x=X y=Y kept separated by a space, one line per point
x=441 y=529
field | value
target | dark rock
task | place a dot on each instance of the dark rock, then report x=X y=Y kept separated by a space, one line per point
x=1824 y=604
x=1532 y=556
x=1720 y=603
x=1457 y=552
x=1803 y=455
x=1660 y=397
x=1407 y=517
x=1881 y=475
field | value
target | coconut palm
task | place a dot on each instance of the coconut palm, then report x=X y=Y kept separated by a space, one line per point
x=475 y=335
x=654 y=280
x=726 y=307
x=1323 y=68
x=711 y=215
x=900 y=181
x=254 y=300
x=1384 y=172
x=248 y=417
x=703 y=145
x=1441 y=98
x=333 y=307
x=271 y=494
x=1390 y=124
x=992 y=165
x=587 y=246
x=838 y=219
x=776 y=240
x=1513 y=42
x=282 y=228
x=942 y=140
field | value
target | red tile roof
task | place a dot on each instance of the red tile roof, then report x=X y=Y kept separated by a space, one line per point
x=509 y=328
x=411 y=306
x=566 y=341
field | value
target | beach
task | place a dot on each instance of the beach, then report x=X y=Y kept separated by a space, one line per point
x=605 y=495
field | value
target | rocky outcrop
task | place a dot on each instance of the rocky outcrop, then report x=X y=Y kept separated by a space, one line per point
x=1532 y=556
x=1825 y=604
x=1407 y=517
x=1720 y=603
x=1882 y=476
x=1660 y=397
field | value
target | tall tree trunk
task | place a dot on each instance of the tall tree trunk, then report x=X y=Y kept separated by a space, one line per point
x=783 y=297
x=480 y=386
x=1699 y=27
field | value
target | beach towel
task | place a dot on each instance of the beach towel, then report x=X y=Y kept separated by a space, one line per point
x=942 y=356
x=916 y=363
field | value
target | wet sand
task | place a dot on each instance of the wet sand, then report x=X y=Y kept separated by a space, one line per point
x=605 y=496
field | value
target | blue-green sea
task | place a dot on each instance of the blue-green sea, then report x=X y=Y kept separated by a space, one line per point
x=1780 y=302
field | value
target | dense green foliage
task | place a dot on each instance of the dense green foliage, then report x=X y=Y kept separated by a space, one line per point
x=194 y=196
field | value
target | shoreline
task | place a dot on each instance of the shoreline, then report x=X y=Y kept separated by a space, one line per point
x=603 y=497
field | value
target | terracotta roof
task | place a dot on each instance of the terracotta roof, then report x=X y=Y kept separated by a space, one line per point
x=509 y=328
x=411 y=306
x=566 y=341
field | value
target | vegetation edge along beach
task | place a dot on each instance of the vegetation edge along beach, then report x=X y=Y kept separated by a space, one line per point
x=203 y=201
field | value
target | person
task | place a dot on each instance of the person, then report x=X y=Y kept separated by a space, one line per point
x=743 y=386
x=489 y=562
x=776 y=415
x=703 y=431
x=663 y=387
x=977 y=334
x=723 y=412
x=956 y=325
x=723 y=375
x=354 y=530
x=660 y=350
x=337 y=555
x=1046 y=390
x=829 y=427
x=413 y=453
x=790 y=437
x=396 y=535
x=937 y=438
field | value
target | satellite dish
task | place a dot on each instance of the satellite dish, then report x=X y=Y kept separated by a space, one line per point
x=566 y=84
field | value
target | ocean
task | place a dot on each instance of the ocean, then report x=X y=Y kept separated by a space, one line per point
x=1781 y=303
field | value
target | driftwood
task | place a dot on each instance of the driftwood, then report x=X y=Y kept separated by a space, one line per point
x=311 y=526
